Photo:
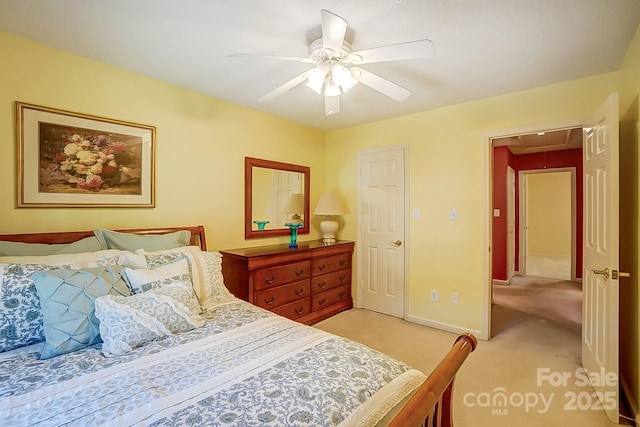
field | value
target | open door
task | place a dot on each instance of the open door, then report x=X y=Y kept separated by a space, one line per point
x=600 y=277
x=511 y=223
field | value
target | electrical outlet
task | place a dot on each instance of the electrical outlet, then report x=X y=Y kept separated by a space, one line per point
x=454 y=298
x=434 y=295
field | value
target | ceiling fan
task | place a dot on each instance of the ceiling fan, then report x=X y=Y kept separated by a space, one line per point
x=336 y=68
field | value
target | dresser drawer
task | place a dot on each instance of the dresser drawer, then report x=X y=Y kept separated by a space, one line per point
x=330 y=280
x=279 y=295
x=275 y=276
x=326 y=298
x=294 y=309
x=330 y=263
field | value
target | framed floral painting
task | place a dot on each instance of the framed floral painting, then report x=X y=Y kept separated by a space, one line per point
x=68 y=159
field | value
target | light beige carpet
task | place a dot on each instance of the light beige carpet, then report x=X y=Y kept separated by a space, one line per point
x=506 y=366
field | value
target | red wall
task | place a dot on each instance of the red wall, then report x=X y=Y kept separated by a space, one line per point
x=502 y=158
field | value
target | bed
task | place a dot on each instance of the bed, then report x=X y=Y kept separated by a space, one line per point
x=173 y=347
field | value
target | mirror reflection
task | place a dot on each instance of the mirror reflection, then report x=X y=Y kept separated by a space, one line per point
x=277 y=198
x=275 y=194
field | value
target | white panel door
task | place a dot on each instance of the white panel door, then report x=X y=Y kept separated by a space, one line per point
x=283 y=183
x=381 y=245
x=600 y=284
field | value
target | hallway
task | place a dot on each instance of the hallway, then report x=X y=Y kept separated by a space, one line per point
x=558 y=301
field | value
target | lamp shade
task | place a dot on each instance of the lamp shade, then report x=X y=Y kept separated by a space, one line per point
x=294 y=204
x=329 y=204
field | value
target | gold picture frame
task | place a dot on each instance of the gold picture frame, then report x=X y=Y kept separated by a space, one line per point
x=68 y=159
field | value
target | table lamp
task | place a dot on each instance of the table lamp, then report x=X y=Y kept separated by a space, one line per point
x=329 y=205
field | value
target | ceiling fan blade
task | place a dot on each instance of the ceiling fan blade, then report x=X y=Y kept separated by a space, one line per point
x=334 y=29
x=331 y=105
x=285 y=58
x=284 y=87
x=382 y=85
x=395 y=52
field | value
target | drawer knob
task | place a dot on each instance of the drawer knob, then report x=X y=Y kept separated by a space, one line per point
x=322 y=267
x=343 y=261
x=300 y=310
x=322 y=285
x=299 y=291
x=299 y=273
x=322 y=301
x=342 y=278
x=342 y=294
x=270 y=301
x=270 y=280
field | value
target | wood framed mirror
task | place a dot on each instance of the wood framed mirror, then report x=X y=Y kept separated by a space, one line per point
x=270 y=189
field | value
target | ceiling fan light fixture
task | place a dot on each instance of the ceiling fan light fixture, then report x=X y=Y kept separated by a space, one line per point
x=343 y=77
x=339 y=73
x=315 y=79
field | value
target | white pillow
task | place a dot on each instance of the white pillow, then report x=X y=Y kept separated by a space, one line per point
x=214 y=289
x=208 y=282
x=143 y=279
x=128 y=322
x=146 y=279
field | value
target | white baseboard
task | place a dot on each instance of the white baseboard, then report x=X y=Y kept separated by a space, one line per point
x=444 y=326
x=501 y=282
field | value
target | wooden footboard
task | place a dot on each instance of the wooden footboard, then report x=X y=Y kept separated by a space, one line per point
x=432 y=403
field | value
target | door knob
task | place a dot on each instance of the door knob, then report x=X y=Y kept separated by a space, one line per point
x=604 y=272
x=397 y=243
x=615 y=274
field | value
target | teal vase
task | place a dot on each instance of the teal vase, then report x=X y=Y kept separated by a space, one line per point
x=293 y=236
x=261 y=224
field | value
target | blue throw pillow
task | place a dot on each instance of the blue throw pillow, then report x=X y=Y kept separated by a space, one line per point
x=67 y=299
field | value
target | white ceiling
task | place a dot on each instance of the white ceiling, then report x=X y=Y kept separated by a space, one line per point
x=483 y=47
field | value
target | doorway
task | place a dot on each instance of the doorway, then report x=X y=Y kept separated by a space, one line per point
x=553 y=147
x=548 y=216
x=600 y=308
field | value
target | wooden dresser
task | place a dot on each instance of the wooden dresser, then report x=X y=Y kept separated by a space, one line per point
x=308 y=283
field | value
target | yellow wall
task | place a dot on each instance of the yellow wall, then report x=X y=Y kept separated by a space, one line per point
x=448 y=158
x=549 y=214
x=201 y=144
x=629 y=232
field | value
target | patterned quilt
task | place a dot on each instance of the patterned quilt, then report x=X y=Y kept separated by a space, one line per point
x=244 y=367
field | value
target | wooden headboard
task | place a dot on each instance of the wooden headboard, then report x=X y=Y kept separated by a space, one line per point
x=197 y=235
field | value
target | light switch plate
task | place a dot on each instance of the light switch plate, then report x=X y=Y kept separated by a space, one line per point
x=496 y=213
x=415 y=214
x=453 y=214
